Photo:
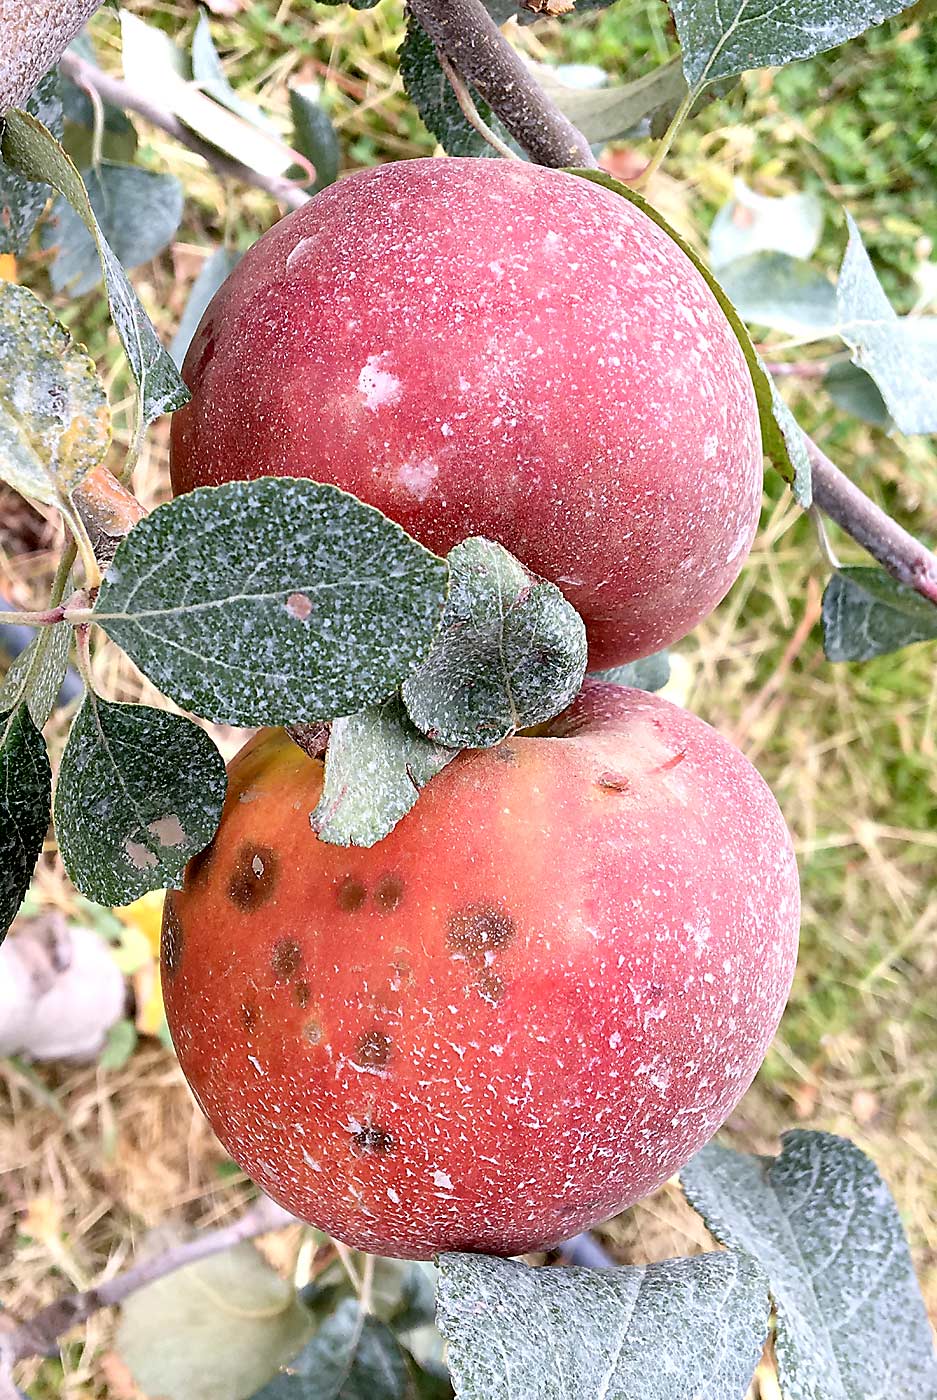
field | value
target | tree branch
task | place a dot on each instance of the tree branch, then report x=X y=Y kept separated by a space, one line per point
x=33 y=33
x=465 y=32
x=120 y=94
x=39 y=1335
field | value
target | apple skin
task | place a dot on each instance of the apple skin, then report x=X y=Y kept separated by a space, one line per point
x=520 y=1012
x=483 y=347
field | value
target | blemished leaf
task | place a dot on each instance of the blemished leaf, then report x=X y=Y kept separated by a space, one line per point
x=686 y=1329
x=780 y=444
x=823 y=1224
x=898 y=352
x=649 y=673
x=721 y=41
x=511 y=652
x=855 y=392
x=606 y=113
x=784 y=293
x=139 y=793
x=271 y=601
x=756 y=223
x=36 y=675
x=215 y=1330
x=136 y=210
x=314 y=136
x=25 y=802
x=209 y=75
x=55 y=424
x=867 y=613
x=431 y=93
x=351 y=1357
x=214 y=270
x=22 y=200
x=32 y=149
x=375 y=766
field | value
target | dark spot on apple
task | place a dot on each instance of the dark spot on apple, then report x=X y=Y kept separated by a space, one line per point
x=351 y=894
x=372 y=1138
x=286 y=959
x=479 y=928
x=172 y=938
x=312 y=1032
x=373 y=1048
x=389 y=893
x=613 y=782
x=655 y=991
x=301 y=994
x=491 y=987
x=198 y=866
x=254 y=877
x=249 y=1016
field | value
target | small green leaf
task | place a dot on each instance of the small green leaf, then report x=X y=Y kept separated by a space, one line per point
x=606 y=113
x=649 y=673
x=855 y=392
x=755 y=223
x=22 y=200
x=31 y=149
x=684 y=1328
x=215 y=1330
x=867 y=613
x=781 y=443
x=900 y=353
x=784 y=293
x=719 y=41
x=511 y=652
x=36 y=675
x=270 y=601
x=431 y=93
x=375 y=766
x=25 y=803
x=214 y=271
x=822 y=1222
x=351 y=1357
x=55 y=424
x=314 y=136
x=119 y=1046
x=139 y=793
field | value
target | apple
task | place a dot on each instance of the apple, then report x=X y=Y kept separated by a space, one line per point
x=485 y=347
x=520 y=1012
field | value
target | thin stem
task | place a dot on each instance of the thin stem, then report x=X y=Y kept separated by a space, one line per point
x=367 y=1285
x=667 y=140
x=823 y=538
x=83 y=656
x=471 y=112
x=46 y=618
x=89 y=560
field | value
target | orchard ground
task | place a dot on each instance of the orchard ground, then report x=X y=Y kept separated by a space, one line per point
x=848 y=751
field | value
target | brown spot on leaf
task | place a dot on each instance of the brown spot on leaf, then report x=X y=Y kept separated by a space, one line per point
x=372 y=1138
x=254 y=877
x=389 y=893
x=373 y=1048
x=351 y=894
x=479 y=928
x=299 y=606
x=301 y=994
x=286 y=960
x=491 y=987
x=172 y=939
x=168 y=830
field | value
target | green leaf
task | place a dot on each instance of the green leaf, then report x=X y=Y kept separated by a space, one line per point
x=687 y=1329
x=511 y=652
x=137 y=211
x=36 y=675
x=781 y=443
x=649 y=673
x=314 y=136
x=351 y=1357
x=867 y=613
x=25 y=802
x=214 y=271
x=855 y=392
x=375 y=766
x=851 y=1322
x=900 y=353
x=721 y=41
x=269 y=601
x=431 y=93
x=605 y=113
x=119 y=139
x=22 y=200
x=785 y=293
x=32 y=149
x=139 y=793
x=215 y=1330
x=754 y=223
x=119 y=1046
x=55 y=424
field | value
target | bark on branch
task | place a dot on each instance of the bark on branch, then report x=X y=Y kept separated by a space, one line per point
x=33 y=35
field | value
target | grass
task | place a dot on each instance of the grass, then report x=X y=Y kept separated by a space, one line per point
x=94 y=1159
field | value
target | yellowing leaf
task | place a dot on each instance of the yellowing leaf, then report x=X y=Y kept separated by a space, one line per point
x=148 y=991
x=146 y=915
x=7 y=267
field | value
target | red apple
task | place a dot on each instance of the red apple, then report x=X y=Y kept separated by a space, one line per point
x=485 y=347
x=517 y=1014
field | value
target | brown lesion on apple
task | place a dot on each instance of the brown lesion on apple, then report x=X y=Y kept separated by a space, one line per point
x=613 y=782
x=199 y=866
x=479 y=929
x=371 y=1138
x=491 y=987
x=301 y=994
x=389 y=893
x=312 y=1032
x=286 y=959
x=250 y=1015
x=373 y=1047
x=173 y=939
x=254 y=877
x=351 y=894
